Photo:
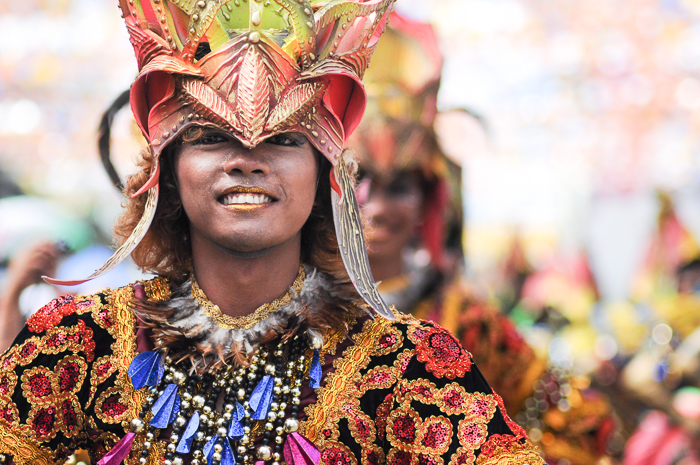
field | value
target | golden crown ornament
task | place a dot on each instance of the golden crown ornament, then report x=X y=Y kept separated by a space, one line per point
x=256 y=68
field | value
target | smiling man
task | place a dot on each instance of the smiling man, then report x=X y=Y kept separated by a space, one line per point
x=263 y=339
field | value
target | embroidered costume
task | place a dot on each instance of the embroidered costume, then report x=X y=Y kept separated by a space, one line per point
x=392 y=392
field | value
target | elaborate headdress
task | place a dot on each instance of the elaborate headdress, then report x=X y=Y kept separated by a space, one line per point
x=256 y=68
x=397 y=132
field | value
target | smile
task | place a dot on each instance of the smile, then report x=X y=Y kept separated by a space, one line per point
x=246 y=198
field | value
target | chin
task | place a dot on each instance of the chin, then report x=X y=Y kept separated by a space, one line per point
x=247 y=242
x=248 y=245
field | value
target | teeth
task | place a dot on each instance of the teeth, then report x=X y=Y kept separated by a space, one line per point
x=246 y=199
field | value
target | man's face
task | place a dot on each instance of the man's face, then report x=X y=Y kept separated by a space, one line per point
x=246 y=200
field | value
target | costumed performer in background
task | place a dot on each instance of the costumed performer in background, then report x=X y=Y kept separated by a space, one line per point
x=410 y=194
x=254 y=343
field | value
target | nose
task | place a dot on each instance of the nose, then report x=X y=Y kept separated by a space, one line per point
x=246 y=162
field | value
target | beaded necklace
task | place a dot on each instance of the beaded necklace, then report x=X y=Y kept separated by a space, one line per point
x=260 y=400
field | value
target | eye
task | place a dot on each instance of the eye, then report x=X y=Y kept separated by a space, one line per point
x=287 y=140
x=210 y=138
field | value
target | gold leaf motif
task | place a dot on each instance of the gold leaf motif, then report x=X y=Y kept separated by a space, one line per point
x=353 y=46
x=253 y=95
x=304 y=27
x=351 y=241
x=207 y=101
x=146 y=44
x=294 y=105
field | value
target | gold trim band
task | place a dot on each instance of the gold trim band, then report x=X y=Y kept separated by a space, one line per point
x=248 y=321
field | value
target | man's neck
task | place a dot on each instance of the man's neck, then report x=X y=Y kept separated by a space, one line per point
x=238 y=282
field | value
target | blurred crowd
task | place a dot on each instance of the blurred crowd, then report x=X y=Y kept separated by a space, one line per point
x=551 y=220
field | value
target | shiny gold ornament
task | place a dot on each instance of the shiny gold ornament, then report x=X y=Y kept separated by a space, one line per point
x=248 y=321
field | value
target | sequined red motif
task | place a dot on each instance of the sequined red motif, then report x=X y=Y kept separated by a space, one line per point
x=433 y=407
x=53 y=380
x=401 y=392
x=442 y=353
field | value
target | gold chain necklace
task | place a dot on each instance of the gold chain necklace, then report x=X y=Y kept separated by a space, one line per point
x=248 y=321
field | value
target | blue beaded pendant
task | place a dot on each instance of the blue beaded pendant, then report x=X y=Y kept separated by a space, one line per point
x=235 y=430
x=261 y=398
x=227 y=455
x=240 y=411
x=208 y=449
x=188 y=435
x=315 y=373
x=166 y=407
x=146 y=369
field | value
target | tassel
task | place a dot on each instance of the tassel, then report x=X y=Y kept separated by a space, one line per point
x=240 y=411
x=119 y=451
x=315 y=373
x=166 y=407
x=188 y=435
x=227 y=455
x=209 y=449
x=300 y=451
x=261 y=398
x=235 y=430
x=146 y=369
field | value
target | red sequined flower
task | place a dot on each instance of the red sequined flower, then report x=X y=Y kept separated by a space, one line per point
x=40 y=385
x=403 y=428
x=71 y=418
x=28 y=351
x=113 y=407
x=390 y=341
x=68 y=376
x=336 y=456
x=497 y=442
x=443 y=355
x=471 y=433
x=9 y=412
x=51 y=314
x=43 y=422
x=363 y=430
x=8 y=381
x=437 y=436
x=455 y=399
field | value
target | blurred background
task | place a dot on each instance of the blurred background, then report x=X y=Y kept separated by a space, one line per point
x=581 y=174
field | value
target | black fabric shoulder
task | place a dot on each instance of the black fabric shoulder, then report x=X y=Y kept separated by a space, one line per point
x=59 y=381
x=407 y=392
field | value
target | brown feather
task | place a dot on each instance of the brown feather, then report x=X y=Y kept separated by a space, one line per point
x=324 y=304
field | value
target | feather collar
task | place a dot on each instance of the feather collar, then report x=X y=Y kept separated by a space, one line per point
x=181 y=328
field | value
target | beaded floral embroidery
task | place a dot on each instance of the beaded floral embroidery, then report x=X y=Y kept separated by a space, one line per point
x=424 y=413
x=380 y=403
